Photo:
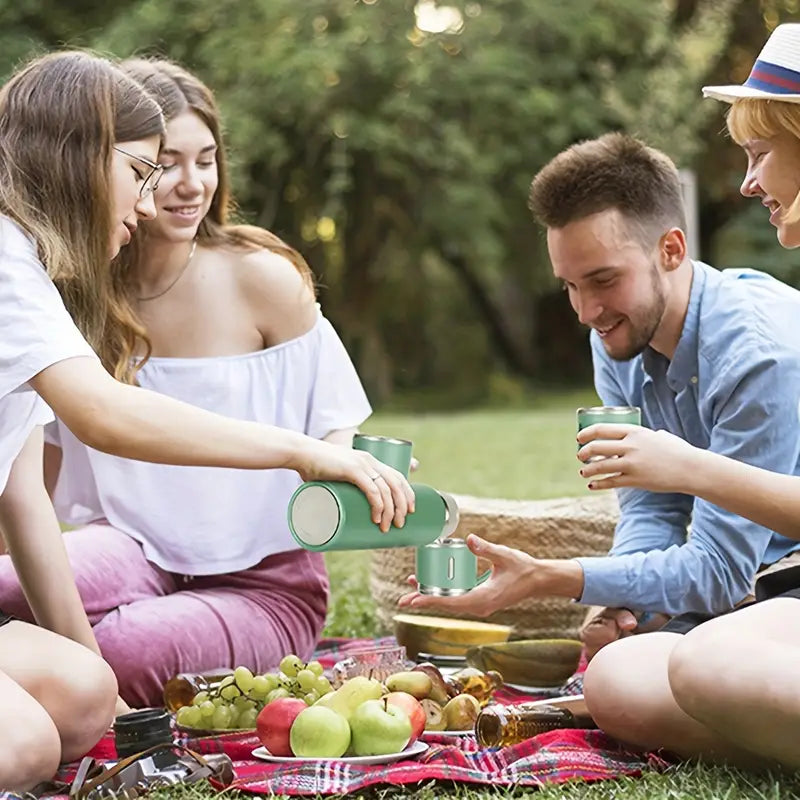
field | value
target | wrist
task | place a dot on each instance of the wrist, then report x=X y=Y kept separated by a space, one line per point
x=557 y=578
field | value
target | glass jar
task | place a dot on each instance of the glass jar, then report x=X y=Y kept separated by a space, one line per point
x=180 y=690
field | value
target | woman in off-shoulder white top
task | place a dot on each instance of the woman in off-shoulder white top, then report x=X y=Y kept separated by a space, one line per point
x=189 y=569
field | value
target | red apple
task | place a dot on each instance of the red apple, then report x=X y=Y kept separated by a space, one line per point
x=274 y=722
x=413 y=708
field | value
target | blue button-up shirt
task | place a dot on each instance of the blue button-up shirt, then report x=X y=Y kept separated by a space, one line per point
x=732 y=387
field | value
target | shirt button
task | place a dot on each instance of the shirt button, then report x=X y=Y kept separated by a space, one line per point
x=693 y=379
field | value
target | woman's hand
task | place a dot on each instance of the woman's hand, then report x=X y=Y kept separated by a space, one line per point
x=389 y=494
x=510 y=582
x=646 y=459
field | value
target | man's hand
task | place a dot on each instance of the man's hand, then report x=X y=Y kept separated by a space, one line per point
x=610 y=624
x=511 y=581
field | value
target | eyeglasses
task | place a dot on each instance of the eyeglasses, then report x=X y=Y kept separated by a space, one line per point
x=150 y=182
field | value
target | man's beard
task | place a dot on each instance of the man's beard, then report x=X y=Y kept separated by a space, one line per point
x=644 y=322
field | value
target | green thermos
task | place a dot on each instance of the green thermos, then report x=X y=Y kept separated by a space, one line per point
x=334 y=515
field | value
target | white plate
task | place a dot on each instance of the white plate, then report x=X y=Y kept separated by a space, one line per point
x=450 y=733
x=410 y=751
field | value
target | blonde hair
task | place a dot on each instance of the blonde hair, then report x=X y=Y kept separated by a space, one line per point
x=59 y=118
x=762 y=119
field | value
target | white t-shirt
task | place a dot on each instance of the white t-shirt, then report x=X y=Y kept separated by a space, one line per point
x=36 y=331
x=212 y=520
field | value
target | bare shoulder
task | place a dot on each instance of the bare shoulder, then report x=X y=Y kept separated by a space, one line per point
x=280 y=297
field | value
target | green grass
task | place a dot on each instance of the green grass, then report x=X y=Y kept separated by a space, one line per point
x=515 y=454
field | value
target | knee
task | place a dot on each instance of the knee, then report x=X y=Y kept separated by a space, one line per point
x=626 y=689
x=86 y=709
x=698 y=668
x=29 y=753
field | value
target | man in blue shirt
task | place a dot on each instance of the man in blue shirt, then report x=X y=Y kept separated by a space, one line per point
x=713 y=357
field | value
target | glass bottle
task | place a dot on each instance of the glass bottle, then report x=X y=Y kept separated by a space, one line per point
x=481 y=685
x=501 y=726
x=180 y=690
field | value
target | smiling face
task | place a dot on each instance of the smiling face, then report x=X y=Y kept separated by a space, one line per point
x=190 y=179
x=614 y=284
x=773 y=175
x=129 y=173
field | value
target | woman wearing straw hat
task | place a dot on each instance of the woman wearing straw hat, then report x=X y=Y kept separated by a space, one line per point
x=727 y=690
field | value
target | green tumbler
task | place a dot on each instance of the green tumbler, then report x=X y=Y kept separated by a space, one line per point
x=448 y=568
x=332 y=515
x=394 y=452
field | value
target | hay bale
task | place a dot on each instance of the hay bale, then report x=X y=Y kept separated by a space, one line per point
x=561 y=528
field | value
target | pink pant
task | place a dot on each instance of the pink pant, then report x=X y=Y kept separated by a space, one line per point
x=151 y=624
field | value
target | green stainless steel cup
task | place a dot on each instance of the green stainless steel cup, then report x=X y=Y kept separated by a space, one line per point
x=448 y=568
x=331 y=515
x=621 y=415
x=394 y=452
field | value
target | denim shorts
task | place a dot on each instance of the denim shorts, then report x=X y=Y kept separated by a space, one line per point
x=783 y=583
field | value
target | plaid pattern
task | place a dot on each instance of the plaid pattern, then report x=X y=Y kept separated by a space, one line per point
x=552 y=757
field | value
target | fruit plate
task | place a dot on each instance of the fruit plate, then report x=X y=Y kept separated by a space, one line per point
x=410 y=751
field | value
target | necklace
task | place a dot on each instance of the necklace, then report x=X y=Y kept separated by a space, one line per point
x=177 y=277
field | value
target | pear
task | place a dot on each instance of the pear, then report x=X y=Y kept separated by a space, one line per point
x=417 y=684
x=351 y=694
x=461 y=712
x=434 y=715
x=439 y=689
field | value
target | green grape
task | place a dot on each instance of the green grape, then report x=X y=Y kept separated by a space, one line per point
x=277 y=693
x=199 y=698
x=226 y=681
x=290 y=665
x=221 y=718
x=306 y=680
x=241 y=702
x=243 y=678
x=311 y=697
x=207 y=709
x=261 y=686
x=229 y=692
x=323 y=686
x=272 y=680
x=247 y=719
x=189 y=716
x=315 y=667
x=218 y=701
x=287 y=682
x=233 y=722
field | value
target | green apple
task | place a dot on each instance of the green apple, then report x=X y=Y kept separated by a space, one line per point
x=319 y=732
x=379 y=728
x=351 y=694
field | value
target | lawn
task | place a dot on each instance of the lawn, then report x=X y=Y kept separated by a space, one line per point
x=526 y=453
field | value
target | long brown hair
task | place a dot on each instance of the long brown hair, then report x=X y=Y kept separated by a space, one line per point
x=59 y=118
x=178 y=91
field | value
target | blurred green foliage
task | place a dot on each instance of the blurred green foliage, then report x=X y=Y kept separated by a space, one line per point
x=393 y=143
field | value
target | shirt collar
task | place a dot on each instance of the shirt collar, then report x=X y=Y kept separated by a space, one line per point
x=682 y=370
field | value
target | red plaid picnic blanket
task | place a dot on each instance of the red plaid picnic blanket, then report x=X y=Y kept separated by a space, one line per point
x=552 y=757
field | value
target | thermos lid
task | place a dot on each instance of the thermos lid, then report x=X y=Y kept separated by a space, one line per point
x=314 y=515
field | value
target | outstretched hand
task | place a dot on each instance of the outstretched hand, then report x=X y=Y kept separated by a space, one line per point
x=511 y=581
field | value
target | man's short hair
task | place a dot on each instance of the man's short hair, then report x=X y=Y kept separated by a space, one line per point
x=615 y=171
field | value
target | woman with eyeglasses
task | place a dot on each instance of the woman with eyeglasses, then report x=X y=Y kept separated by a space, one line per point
x=77 y=170
x=725 y=690
x=229 y=321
